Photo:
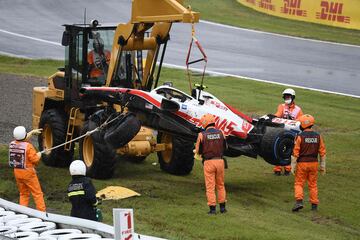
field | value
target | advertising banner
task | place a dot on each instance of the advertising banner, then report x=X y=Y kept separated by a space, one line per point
x=337 y=13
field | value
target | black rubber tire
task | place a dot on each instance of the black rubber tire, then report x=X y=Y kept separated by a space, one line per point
x=181 y=161
x=57 y=122
x=276 y=146
x=122 y=131
x=102 y=165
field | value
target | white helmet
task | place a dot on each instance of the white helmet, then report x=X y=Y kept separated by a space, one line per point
x=77 y=167
x=19 y=133
x=289 y=91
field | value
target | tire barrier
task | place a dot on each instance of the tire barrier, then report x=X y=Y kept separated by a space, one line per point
x=23 y=235
x=45 y=238
x=80 y=236
x=6 y=213
x=12 y=217
x=38 y=227
x=4 y=230
x=22 y=222
x=59 y=232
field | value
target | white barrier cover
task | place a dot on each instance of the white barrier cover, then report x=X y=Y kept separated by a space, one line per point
x=12 y=217
x=21 y=222
x=46 y=238
x=38 y=227
x=60 y=219
x=6 y=213
x=23 y=235
x=4 y=230
x=84 y=236
x=59 y=232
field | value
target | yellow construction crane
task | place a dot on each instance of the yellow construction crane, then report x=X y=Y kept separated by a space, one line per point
x=103 y=55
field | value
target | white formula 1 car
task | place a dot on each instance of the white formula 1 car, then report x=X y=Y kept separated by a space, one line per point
x=171 y=111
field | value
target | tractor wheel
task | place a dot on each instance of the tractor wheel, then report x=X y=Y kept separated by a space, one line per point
x=54 y=125
x=179 y=159
x=277 y=145
x=98 y=157
x=121 y=132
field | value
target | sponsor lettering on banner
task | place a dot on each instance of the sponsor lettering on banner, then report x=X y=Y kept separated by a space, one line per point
x=332 y=11
x=293 y=7
x=266 y=4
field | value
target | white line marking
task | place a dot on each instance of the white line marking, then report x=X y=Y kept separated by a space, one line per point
x=214 y=73
x=31 y=38
x=277 y=34
x=195 y=69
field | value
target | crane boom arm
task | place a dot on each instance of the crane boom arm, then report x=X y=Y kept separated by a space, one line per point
x=157 y=15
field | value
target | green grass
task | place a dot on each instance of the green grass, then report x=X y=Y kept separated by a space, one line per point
x=259 y=203
x=233 y=13
x=42 y=68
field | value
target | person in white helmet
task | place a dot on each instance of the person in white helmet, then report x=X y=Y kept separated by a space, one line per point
x=81 y=192
x=287 y=110
x=23 y=158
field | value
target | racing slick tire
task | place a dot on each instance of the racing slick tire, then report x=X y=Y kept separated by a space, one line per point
x=179 y=159
x=98 y=157
x=54 y=125
x=276 y=146
x=122 y=131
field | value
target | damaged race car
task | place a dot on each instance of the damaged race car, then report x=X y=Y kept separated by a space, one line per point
x=175 y=118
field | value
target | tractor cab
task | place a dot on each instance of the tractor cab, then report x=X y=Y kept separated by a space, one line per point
x=88 y=49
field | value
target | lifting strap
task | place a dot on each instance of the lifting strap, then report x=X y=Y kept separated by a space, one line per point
x=204 y=57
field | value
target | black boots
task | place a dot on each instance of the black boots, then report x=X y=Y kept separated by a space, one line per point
x=212 y=210
x=222 y=208
x=298 y=205
x=277 y=173
x=286 y=173
x=313 y=207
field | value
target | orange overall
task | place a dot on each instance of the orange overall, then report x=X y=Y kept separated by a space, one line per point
x=94 y=60
x=308 y=145
x=291 y=111
x=23 y=157
x=211 y=144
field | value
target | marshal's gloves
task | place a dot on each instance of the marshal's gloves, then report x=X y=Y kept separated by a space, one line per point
x=33 y=132
x=323 y=165
x=293 y=164
x=38 y=154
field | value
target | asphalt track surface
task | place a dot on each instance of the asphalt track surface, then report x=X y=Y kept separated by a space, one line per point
x=33 y=29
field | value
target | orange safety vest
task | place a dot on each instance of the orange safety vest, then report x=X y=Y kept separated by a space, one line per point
x=94 y=59
x=291 y=111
